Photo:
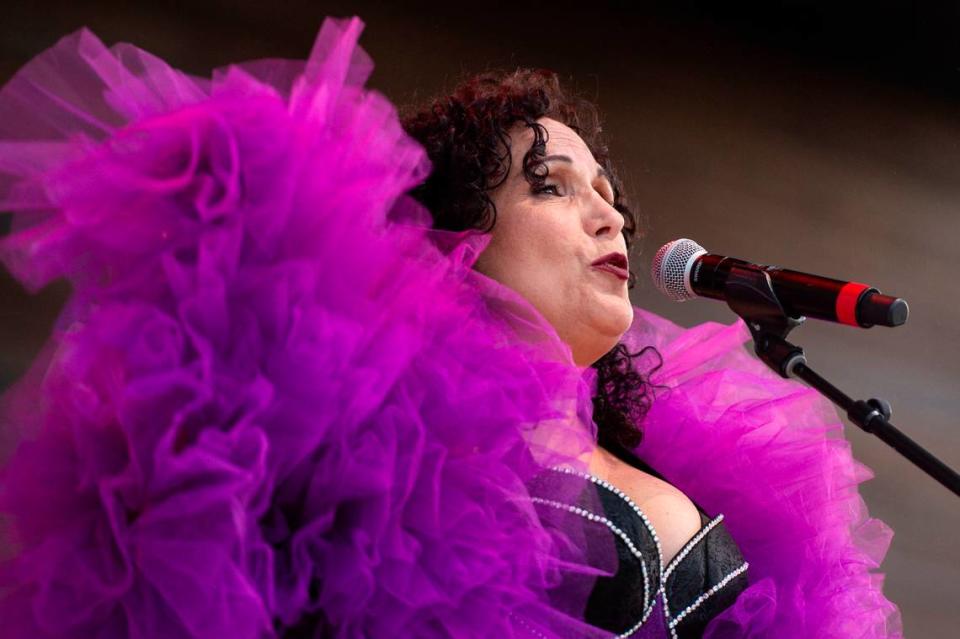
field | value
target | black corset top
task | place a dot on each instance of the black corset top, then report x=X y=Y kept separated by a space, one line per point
x=702 y=580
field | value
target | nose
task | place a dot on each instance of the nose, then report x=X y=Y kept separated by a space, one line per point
x=604 y=218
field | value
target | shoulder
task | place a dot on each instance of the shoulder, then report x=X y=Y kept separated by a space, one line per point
x=672 y=514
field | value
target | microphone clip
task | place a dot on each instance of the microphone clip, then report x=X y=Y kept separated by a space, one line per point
x=749 y=293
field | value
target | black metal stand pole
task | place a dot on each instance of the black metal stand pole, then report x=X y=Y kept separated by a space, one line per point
x=873 y=417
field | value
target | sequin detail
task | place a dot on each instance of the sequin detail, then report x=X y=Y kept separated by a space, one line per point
x=586 y=514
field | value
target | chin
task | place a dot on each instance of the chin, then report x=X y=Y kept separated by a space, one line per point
x=617 y=320
x=590 y=356
x=605 y=338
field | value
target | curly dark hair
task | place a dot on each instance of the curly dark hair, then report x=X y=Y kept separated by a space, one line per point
x=466 y=137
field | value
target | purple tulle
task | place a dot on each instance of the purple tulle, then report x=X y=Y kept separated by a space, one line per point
x=770 y=454
x=278 y=404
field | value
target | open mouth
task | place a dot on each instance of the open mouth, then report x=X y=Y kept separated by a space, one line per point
x=614 y=263
x=609 y=267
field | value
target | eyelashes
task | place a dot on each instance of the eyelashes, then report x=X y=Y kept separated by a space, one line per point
x=554 y=190
x=546 y=189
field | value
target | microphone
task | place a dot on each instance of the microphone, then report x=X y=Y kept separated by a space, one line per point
x=682 y=270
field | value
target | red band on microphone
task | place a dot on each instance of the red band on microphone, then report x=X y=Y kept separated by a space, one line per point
x=847 y=302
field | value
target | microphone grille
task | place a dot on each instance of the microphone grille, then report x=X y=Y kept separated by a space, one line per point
x=671 y=268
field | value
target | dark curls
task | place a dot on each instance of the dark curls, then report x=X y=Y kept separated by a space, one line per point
x=466 y=135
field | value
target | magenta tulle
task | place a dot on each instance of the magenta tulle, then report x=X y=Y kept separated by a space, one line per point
x=770 y=455
x=278 y=404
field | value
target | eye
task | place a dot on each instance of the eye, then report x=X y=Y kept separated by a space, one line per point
x=550 y=189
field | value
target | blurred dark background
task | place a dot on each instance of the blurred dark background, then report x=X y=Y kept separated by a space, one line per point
x=821 y=136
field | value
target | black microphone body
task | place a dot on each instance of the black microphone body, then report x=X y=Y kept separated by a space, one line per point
x=803 y=294
x=800 y=294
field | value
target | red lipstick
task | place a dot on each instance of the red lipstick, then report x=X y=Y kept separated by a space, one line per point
x=615 y=263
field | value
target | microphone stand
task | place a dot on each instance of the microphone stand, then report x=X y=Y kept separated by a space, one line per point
x=749 y=293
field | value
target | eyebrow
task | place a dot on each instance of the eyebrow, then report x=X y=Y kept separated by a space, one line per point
x=601 y=172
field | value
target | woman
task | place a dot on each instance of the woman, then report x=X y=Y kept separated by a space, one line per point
x=280 y=403
x=504 y=164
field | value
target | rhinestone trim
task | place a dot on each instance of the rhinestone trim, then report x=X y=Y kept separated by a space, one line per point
x=638 y=625
x=691 y=544
x=666 y=607
x=531 y=629
x=699 y=600
x=649 y=601
x=586 y=514
x=664 y=572
x=622 y=495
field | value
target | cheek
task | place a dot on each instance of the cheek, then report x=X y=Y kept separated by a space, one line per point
x=552 y=234
x=536 y=250
x=531 y=238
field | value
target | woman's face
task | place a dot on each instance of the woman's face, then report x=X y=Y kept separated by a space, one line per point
x=545 y=240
